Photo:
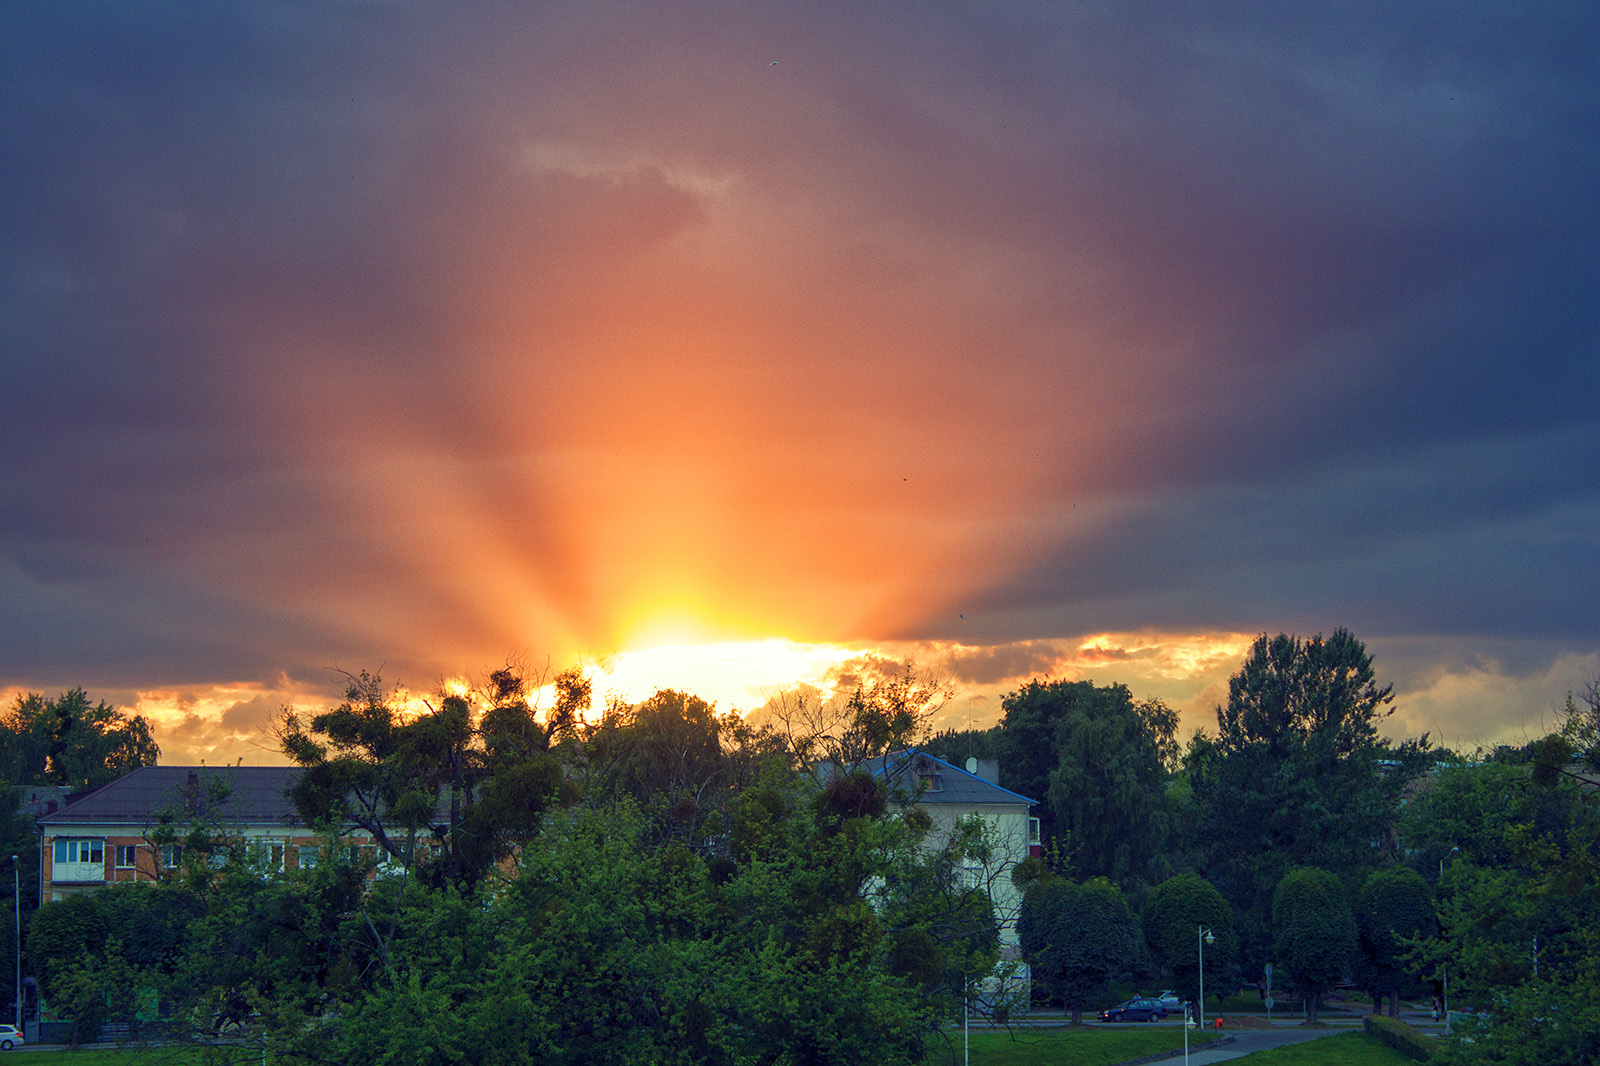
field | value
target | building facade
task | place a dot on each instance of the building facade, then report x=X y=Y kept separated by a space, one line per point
x=104 y=837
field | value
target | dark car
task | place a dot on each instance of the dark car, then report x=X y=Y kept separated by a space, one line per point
x=1135 y=1010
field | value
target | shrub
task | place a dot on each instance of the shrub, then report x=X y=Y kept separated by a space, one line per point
x=1410 y=1042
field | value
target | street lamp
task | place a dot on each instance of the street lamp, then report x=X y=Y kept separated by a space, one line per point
x=1203 y=937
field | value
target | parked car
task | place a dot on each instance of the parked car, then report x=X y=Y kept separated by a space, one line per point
x=10 y=1037
x=1169 y=999
x=1135 y=1010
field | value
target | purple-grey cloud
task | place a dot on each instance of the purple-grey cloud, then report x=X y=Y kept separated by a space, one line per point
x=1252 y=318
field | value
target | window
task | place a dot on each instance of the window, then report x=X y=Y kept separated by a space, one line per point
x=307 y=859
x=171 y=856
x=127 y=856
x=80 y=851
x=931 y=782
x=267 y=855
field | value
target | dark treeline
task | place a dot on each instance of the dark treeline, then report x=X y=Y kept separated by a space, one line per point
x=666 y=884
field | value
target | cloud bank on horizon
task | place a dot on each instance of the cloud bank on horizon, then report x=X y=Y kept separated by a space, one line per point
x=411 y=334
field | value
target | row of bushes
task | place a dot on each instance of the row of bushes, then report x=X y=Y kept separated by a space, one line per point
x=1410 y=1042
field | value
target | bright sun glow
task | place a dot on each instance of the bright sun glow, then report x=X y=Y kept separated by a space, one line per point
x=735 y=675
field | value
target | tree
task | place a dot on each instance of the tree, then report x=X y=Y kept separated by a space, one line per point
x=1394 y=905
x=1078 y=938
x=1297 y=774
x=416 y=782
x=68 y=741
x=18 y=837
x=1099 y=760
x=1177 y=909
x=887 y=707
x=1314 y=933
x=96 y=953
x=1519 y=914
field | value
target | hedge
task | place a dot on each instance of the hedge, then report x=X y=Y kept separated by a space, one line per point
x=1413 y=1043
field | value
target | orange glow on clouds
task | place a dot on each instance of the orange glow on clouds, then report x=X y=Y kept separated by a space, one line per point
x=1189 y=671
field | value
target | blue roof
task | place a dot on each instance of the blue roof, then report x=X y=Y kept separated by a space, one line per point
x=904 y=770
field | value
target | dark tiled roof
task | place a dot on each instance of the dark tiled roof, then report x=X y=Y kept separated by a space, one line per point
x=903 y=770
x=39 y=800
x=256 y=796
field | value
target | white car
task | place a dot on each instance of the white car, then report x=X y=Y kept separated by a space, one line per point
x=9 y=1038
x=1169 y=999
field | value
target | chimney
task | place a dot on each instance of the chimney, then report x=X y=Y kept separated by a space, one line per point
x=987 y=769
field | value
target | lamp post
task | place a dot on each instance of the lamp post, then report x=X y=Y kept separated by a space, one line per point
x=1203 y=937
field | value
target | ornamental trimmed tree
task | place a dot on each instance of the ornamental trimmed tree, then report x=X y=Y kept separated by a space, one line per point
x=1175 y=912
x=1078 y=938
x=1394 y=903
x=1314 y=933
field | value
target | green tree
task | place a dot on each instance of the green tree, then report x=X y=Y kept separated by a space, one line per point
x=1519 y=913
x=127 y=941
x=1078 y=938
x=1099 y=760
x=18 y=837
x=1314 y=933
x=69 y=741
x=665 y=753
x=1177 y=909
x=1297 y=774
x=417 y=783
x=1394 y=906
x=886 y=709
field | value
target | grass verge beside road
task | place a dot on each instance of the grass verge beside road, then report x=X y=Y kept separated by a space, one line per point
x=52 y=1055
x=1080 y=1046
x=1346 y=1049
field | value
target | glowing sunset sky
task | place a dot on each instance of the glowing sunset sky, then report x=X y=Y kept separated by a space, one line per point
x=1017 y=338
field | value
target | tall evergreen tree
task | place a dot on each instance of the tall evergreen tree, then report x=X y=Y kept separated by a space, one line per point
x=1298 y=775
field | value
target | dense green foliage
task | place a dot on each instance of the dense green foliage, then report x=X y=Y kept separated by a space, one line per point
x=1314 y=933
x=1098 y=760
x=1080 y=937
x=660 y=885
x=664 y=883
x=69 y=741
x=1177 y=909
x=1519 y=901
x=1297 y=775
x=1394 y=907
x=20 y=838
x=435 y=792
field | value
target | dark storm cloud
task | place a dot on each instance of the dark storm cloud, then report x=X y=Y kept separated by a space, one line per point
x=1295 y=304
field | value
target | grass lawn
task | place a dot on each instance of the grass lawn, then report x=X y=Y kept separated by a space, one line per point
x=134 y=1056
x=1083 y=1046
x=1346 y=1049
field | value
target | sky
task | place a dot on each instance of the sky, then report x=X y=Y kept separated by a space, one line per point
x=721 y=344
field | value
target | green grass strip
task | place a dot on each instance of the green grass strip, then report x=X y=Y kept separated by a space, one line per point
x=1082 y=1046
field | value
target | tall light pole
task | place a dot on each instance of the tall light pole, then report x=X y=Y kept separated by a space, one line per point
x=1202 y=938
